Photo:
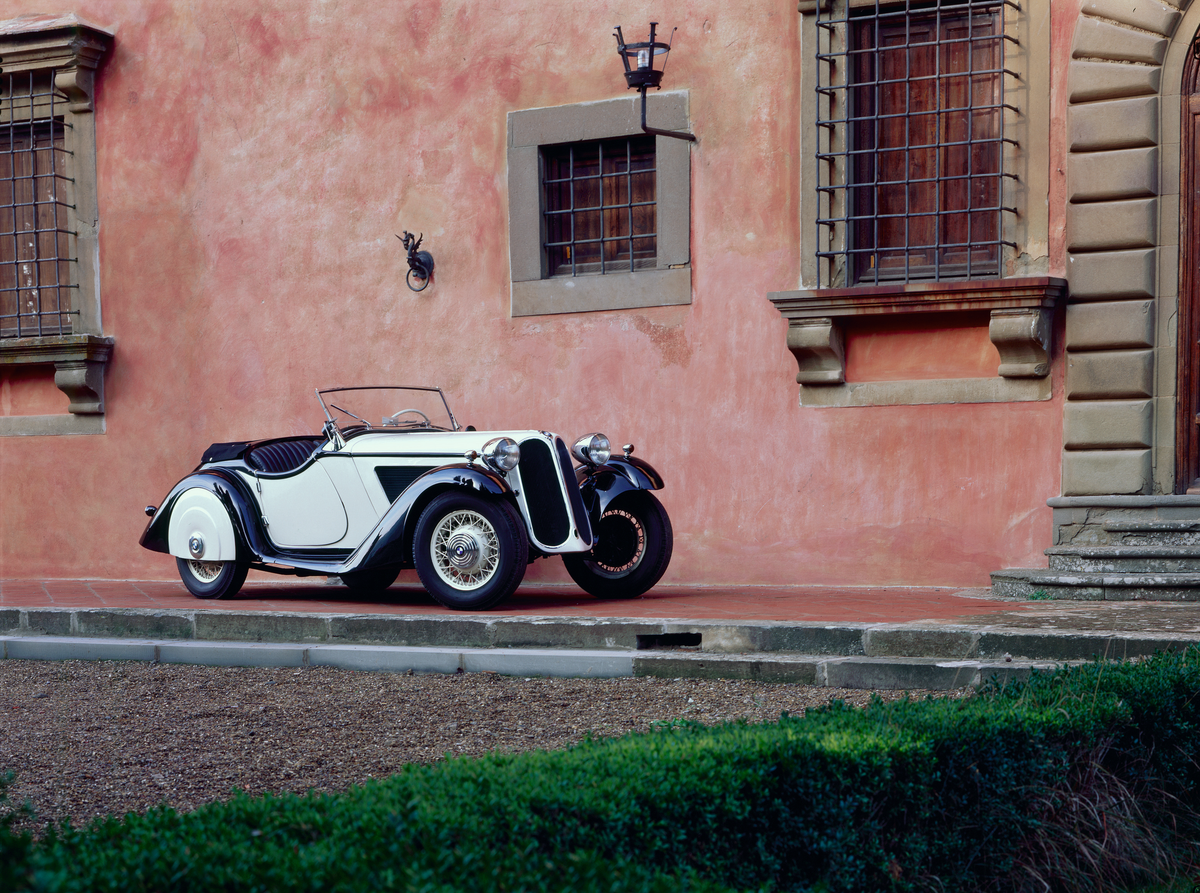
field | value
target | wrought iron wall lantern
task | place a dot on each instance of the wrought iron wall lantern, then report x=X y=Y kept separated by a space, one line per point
x=642 y=73
x=420 y=263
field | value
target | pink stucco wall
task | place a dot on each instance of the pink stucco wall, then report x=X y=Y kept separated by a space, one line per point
x=255 y=161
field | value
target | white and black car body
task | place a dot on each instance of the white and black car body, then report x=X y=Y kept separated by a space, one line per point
x=362 y=501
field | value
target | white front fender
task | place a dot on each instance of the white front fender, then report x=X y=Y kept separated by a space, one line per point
x=199 y=514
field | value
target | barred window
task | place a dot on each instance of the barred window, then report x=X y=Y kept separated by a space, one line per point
x=599 y=206
x=35 y=263
x=911 y=115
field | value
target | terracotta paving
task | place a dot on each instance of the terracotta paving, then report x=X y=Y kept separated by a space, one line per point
x=800 y=604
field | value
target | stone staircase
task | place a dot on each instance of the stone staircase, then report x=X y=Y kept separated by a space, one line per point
x=1115 y=548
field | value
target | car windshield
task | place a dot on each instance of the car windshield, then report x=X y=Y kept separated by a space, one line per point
x=390 y=408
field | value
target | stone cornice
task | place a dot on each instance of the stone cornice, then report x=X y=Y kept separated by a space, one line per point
x=920 y=297
x=71 y=46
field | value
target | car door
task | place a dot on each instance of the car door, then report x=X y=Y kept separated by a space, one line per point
x=303 y=509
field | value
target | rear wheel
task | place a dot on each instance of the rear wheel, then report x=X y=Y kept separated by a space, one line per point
x=212 y=579
x=470 y=552
x=633 y=548
x=370 y=582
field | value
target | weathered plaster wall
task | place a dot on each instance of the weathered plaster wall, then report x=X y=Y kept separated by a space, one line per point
x=254 y=164
x=936 y=346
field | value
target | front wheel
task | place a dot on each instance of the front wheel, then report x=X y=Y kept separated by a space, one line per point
x=633 y=548
x=470 y=552
x=212 y=579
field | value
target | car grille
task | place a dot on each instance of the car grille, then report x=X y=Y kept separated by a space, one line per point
x=572 y=485
x=540 y=477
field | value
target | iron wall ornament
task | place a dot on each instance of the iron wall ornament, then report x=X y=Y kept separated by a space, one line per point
x=643 y=74
x=420 y=263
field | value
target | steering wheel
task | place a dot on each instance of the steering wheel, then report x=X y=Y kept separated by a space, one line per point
x=427 y=423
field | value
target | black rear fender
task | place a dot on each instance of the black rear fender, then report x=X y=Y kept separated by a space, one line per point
x=232 y=492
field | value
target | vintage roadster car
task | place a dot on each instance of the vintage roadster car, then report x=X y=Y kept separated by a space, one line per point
x=364 y=499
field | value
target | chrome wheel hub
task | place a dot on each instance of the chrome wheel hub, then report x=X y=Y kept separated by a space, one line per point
x=464 y=548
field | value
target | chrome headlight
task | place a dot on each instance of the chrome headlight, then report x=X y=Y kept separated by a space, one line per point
x=592 y=449
x=502 y=454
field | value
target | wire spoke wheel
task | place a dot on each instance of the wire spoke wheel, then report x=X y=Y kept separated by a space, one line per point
x=212 y=579
x=205 y=571
x=633 y=547
x=470 y=551
x=465 y=550
x=621 y=546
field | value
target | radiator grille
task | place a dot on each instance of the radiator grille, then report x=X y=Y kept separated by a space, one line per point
x=543 y=493
x=572 y=485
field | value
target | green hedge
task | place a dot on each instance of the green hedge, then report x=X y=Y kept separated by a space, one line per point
x=1078 y=780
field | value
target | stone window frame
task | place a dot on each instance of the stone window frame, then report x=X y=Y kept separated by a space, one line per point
x=1022 y=303
x=670 y=283
x=73 y=49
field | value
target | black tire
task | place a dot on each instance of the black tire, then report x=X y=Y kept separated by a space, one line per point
x=212 y=579
x=370 y=582
x=633 y=547
x=470 y=552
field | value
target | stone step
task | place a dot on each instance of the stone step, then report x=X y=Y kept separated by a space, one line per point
x=874 y=673
x=847 y=639
x=854 y=672
x=1039 y=583
x=1153 y=532
x=1125 y=559
x=1121 y=524
x=846 y=654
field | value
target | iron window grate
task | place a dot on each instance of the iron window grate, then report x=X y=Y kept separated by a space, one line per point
x=36 y=280
x=599 y=206
x=912 y=123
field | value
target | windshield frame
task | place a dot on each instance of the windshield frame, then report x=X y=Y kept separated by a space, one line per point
x=433 y=390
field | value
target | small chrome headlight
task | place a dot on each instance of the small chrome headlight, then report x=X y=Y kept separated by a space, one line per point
x=592 y=449
x=502 y=454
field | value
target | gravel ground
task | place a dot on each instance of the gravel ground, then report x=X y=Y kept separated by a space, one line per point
x=86 y=739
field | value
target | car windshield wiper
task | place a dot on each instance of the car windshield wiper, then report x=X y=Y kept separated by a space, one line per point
x=349 y=413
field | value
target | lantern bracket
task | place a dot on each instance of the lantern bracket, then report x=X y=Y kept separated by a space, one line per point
x=645 y=75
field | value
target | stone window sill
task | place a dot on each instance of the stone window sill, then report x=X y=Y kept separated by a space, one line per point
x=1021 y=316
x=79 y=362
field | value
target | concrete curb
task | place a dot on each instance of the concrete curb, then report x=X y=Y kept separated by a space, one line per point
x=388 y=659
x=883 y=674
x=832 y=672
x=923 y=655
x=895 y=640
